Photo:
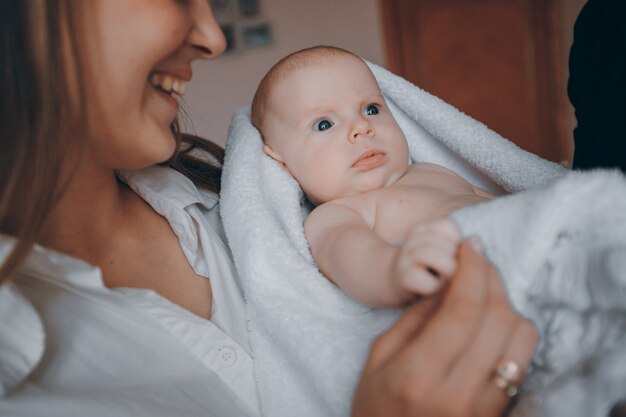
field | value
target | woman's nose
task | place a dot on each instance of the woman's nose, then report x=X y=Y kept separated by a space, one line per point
x=205 y=36
x=361 y=129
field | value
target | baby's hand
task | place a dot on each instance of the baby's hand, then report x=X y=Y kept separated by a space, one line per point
x=427 y=258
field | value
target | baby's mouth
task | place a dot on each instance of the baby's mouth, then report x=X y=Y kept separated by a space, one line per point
x=167 y=83
x=369 y=159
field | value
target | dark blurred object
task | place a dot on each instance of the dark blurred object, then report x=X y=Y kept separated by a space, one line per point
x=597 y=85
x=618 y=410
x=249 y=8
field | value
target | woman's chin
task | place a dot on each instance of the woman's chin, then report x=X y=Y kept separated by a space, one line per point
x=164 y=149
x=158 y=154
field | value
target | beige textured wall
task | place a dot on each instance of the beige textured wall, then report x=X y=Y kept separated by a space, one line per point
x=218 y=87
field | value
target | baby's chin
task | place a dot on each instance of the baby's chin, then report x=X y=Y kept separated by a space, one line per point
x=315 y=201
x=318 y=200
x=337 y=197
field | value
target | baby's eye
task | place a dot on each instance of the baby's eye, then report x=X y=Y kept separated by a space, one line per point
x=322 y=125
x=372 y=110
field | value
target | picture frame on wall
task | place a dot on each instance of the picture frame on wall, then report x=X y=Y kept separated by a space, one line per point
x=242 y=23
x=257 y=35
x=249 y=8
x=222 y=9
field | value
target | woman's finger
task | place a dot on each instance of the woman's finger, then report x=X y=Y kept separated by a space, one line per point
x=397 y=337
x=411 y=366
x=494 y=335
x=446 y=336
x=517 y=354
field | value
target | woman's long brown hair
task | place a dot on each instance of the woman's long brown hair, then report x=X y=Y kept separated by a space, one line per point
x=37 y=126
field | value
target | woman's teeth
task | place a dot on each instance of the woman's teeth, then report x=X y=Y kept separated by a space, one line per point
x=168 y=83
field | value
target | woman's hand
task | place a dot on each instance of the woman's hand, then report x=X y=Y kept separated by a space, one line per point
x=439 y=358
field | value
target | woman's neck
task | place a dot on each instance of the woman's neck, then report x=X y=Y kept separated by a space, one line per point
x=93 y=206
x=102 y=221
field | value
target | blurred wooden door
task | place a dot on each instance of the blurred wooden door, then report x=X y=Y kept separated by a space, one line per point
x=503 y=62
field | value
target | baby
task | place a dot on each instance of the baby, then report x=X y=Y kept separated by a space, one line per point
x=380 y=229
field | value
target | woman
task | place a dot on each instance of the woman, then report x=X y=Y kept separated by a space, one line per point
x=129 y=304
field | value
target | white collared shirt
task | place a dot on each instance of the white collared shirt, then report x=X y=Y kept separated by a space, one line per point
x=69 y=346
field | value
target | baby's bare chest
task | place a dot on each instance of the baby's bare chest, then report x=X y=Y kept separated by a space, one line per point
x=415 y=201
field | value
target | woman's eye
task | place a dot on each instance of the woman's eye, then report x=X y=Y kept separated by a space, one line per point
x=322 y=125
x=372 y=110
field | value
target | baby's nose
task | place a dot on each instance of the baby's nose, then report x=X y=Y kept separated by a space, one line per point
x=361 y=129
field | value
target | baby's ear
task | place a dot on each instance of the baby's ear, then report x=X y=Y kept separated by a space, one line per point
x=275 y=156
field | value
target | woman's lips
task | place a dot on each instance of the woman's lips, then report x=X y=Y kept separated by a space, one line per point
x=170 y=83
x=369 y=160
x=168 y=98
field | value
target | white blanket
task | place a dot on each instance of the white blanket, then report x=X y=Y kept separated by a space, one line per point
x=561 y=250
x=310 y=341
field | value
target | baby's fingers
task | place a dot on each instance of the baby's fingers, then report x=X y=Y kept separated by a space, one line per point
x=425 y=271
x=429 y=257
x=437 y=255
x=444 y=228
x=421 y=281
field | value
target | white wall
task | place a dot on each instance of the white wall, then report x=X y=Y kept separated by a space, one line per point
x=218 y=87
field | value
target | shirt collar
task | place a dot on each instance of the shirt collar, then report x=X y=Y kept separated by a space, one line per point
x=23 y=335
x=171 y=194
x=163 y=186
x=23 y=338
x=55 y=266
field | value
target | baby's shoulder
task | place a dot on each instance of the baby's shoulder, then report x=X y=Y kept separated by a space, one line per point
x=355 y=202
x=429 y=167
x=426 y=171
x=348 y=207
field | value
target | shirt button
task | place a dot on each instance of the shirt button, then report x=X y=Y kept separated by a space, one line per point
x=228 y=355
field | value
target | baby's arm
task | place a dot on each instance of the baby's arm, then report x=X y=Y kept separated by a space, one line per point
x=371 y=270
x=351 y=255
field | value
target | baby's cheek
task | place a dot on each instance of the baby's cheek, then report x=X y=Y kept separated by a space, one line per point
x=323 y=189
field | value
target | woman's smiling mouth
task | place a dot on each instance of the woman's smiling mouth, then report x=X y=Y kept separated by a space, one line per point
x=168 y=83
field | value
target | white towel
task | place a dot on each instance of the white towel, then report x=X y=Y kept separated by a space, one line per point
x=561 y=250
x=308 y=339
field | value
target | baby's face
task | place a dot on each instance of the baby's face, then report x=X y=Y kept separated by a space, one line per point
x=330 y=127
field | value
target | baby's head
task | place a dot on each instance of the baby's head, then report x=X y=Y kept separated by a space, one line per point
x=323 y=118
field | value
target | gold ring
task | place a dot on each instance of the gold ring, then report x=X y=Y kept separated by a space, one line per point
x=508 y=376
